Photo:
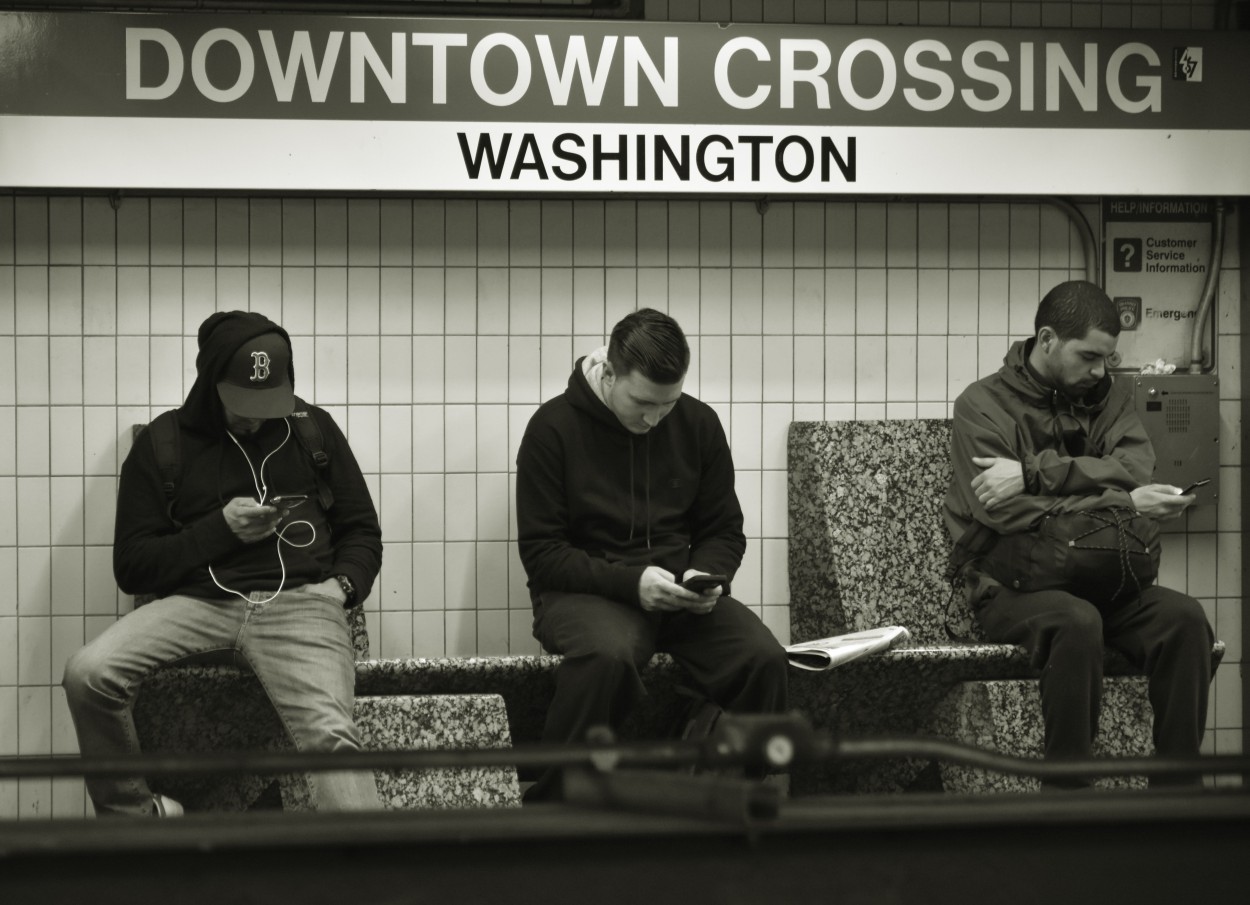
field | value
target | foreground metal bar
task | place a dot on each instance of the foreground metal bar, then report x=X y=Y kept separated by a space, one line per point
x=607 y=757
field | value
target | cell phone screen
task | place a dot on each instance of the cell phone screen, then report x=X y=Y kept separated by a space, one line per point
x=289 y=501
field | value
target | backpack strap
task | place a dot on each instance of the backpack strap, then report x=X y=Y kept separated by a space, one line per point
x=166 y=441
x=167 y=445
x=308 y=432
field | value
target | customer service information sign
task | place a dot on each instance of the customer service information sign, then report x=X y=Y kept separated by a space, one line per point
x=232 y=101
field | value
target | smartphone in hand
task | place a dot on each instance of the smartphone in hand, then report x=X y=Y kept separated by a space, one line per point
x=701 y=583
x=288 y=501
x=1194 y=486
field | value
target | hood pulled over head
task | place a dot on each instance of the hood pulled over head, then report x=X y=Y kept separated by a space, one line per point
x=244 y=363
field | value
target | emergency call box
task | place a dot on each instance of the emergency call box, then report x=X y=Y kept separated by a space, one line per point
x=1181 y=414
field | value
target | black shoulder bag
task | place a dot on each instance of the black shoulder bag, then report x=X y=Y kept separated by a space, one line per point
x=1106 y=556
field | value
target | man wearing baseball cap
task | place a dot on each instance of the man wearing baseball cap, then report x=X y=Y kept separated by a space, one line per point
x=236 y=571
x=257 y=381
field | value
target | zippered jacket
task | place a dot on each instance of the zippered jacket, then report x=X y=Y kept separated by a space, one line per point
x=1013 y=415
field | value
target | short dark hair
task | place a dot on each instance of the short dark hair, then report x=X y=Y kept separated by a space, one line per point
x=650 y=342
x=1074 y=308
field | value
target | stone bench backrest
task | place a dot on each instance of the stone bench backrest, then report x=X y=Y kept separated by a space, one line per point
x=868 y=545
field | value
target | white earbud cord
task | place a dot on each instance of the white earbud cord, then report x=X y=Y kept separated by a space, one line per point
x=280 y=536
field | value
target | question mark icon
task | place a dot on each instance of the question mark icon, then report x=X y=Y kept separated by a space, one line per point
x=1128 y=254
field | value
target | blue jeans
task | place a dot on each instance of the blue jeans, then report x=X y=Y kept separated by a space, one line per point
x=296 y=644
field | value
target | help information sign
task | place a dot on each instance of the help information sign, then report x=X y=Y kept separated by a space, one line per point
x=1157 y=252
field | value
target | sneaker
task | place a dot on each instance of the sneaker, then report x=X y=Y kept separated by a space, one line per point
x=164 y=806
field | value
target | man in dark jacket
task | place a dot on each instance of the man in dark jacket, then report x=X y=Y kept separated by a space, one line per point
x=625 y=490
x=254 y=560
x=1052 y=432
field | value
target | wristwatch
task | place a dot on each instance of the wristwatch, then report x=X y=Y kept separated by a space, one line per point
x=349 y=589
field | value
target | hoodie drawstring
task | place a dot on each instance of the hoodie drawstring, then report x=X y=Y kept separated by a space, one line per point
x=647 y=477
x=631 y=488
x=646 y=488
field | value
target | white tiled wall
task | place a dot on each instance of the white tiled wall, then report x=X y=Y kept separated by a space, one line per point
x=432 y=329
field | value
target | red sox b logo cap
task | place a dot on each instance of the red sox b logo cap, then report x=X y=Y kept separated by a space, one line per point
x=257 y=381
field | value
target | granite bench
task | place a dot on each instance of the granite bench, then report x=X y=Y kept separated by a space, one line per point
x=232 y=714
x=407 y=722
x=868 y=548
x=402 y=703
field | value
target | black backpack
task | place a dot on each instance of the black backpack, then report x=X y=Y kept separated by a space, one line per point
x=167 y=445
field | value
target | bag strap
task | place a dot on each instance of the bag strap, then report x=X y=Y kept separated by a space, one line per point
x=1119 y=520
x=308 y=432
x=166 y=439
x=975 y=542
x=965 y=578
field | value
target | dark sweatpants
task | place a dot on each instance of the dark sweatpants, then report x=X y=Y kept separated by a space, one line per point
x=1165 y=634
x=729 y=653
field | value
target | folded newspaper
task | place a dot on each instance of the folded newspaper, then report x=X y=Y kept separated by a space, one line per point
x=826 y=653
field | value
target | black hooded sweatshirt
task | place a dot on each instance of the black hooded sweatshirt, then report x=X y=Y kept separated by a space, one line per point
x=153 y=555
x=597 y=504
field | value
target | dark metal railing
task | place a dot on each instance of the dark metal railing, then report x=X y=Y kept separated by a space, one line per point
x=775 y=743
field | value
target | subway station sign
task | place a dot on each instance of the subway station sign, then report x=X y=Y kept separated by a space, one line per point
x=232 y=101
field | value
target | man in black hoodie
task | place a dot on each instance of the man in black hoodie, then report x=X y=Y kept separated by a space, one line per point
x=253 y=561
x=625 y=490
x=1052 y=432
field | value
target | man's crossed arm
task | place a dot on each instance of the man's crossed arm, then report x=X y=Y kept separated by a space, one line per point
x=1002 y=479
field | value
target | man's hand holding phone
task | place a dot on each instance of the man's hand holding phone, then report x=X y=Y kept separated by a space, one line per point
x=659 y=591
x=708 y=589
x=1160 y=501
x=704 y=584
x=249 y=520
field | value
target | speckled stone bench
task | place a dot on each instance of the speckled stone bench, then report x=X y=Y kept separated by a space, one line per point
x=973 y=712
x=526 y=684
x=405 y=722
x=868 y=548
x=222 y=708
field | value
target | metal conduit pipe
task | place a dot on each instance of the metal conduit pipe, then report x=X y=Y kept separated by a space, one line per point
x=1196 y=363
x=1088 y=240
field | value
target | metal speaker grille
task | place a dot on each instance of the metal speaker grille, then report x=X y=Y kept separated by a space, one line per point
x=1176 y=416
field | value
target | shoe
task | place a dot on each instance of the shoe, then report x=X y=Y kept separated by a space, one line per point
x=163 y=806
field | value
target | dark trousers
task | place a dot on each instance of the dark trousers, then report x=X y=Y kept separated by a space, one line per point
x=729 y=653
x=1165 y=634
